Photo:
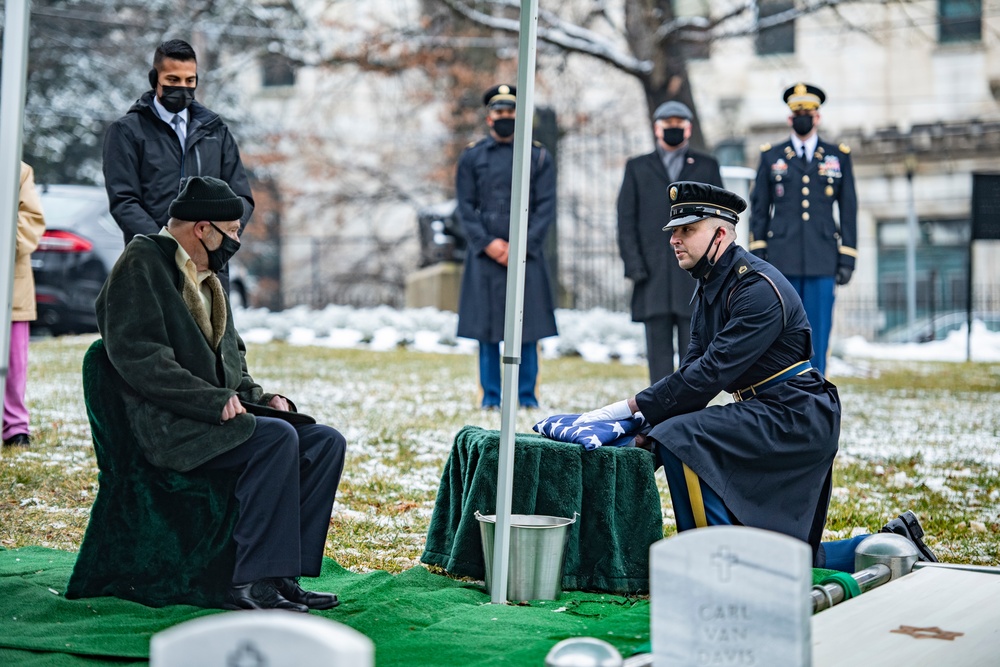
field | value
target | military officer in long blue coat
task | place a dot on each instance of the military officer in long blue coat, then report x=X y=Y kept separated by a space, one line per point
x=483 y=187
x=765 y=460
x=792 y=220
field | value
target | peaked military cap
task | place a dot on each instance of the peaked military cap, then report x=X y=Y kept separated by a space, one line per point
x=691 y=202
x=501 y=96
x=804 y=96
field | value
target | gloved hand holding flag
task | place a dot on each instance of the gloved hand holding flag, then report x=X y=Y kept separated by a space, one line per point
x=619 y=410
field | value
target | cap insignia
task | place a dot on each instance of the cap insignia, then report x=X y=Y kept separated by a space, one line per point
x=800 y=89
x=503 y=90
x=673 y=193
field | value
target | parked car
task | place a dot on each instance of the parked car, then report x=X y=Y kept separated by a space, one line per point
x=81 y=244
x=923 y=330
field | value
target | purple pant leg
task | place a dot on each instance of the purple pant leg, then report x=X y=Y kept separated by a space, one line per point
x=15 y=412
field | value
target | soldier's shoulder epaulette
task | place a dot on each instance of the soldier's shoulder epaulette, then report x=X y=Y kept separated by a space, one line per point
x=765 y=148
x=844 y=148
x=743 y=268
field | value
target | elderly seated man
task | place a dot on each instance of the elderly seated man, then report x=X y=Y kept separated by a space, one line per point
x=168 y=331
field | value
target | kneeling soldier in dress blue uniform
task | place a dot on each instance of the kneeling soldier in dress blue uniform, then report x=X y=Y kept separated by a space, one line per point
x=766 y=460
x=792 y=224
x=482 y=187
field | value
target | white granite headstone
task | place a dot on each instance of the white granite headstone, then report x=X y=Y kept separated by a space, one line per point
x=261 y=639
x=730 y=595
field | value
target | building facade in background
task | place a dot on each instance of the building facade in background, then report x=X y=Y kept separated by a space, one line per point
x=912 y=88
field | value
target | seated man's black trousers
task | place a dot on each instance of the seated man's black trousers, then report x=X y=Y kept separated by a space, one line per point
x=285 y=491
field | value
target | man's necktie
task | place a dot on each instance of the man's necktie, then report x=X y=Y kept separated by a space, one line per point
x=180 y=128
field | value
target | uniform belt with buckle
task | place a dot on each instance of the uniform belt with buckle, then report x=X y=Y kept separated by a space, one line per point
x=763 y=385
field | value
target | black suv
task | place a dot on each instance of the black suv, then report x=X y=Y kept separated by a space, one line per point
x=80 y=245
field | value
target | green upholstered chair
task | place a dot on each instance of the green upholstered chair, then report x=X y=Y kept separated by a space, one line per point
x=155 y=536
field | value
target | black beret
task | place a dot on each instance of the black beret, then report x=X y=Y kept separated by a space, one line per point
x=691 y=202
x=804 y=96
x=206 y=198
x=501 y=96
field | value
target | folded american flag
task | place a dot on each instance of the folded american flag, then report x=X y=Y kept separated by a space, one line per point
x=611 y=433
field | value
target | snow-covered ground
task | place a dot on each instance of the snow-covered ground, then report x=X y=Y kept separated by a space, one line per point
x=596 y=335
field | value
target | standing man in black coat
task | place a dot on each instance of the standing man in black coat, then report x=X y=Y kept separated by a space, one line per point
x=661 y=291
x=482 y=187
x=164 y=138
x=792 y=221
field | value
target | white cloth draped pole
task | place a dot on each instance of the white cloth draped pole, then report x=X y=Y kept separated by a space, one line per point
x=514 y=313
x=15 y=60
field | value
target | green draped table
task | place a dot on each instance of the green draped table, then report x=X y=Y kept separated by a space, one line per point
x=613 y=490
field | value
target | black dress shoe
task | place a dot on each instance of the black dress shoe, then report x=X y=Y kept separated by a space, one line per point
x=19 y=440
x=261 y=594
x=290 y=589
x=907 y=525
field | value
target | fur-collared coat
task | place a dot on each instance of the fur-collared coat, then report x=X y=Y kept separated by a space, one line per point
x=180 y=376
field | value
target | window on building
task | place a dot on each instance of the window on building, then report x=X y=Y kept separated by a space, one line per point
x=277 y=70
x=942 y=259
x=779 y=38
x=731 y=152
x=960 y=21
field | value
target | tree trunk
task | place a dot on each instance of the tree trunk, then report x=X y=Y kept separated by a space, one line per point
x=669 y=78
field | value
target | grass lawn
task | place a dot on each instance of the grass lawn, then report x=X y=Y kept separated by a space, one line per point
x=916 y=435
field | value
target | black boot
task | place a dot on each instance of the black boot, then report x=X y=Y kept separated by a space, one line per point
x=907 y=525
x=261 y=594
x=18 y=440
x=291 y=590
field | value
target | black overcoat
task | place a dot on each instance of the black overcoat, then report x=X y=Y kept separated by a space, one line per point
x=660 y=286
x=482 y=188
x=144 y=164
x=792 y=221
x=770 y=457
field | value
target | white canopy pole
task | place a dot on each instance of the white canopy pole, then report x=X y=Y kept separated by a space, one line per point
x=15 y=60
x=514 y=314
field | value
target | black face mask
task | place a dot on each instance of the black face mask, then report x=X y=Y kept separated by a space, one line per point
x=176 y=98
x=504 y=127
x=673 y=136
x=218 y=258
x=802 y=125
x=704 y=266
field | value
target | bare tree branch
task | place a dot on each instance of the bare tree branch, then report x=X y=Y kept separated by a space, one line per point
x=559 y=33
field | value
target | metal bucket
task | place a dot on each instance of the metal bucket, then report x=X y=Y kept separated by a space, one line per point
x=537 y=554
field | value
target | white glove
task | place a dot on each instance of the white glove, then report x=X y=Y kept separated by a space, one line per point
x=619 y=410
